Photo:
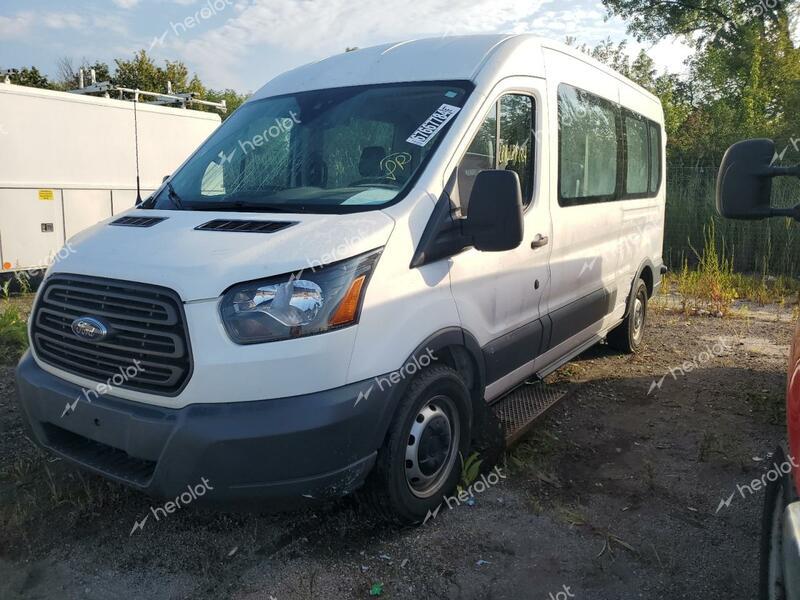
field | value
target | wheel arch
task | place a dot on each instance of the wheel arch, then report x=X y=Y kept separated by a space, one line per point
x=646 y=272
x=457 y=349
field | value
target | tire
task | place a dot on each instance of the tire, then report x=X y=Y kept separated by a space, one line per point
x=628 y=336
x=776 y=497
x=433 y=421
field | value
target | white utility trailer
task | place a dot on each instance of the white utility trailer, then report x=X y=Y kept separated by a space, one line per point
x=69 y=160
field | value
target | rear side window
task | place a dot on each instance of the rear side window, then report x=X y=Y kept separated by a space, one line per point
x=655 y=158
x=589 y=147
x=504 y=141
x=606 y=153
x=637 y=181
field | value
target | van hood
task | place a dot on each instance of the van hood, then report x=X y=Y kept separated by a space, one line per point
x=201 y=264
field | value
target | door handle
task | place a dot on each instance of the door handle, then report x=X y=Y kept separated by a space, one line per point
x=539 y=241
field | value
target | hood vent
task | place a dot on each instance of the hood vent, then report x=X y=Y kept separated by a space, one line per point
x=245 y=226
x=138 y=221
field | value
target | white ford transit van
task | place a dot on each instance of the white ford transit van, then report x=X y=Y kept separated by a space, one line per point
x=330 y=292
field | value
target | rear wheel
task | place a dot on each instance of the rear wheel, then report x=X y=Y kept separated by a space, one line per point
x=419 y=464
x=628 y=336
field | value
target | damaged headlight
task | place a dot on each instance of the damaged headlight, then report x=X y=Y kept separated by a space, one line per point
x=298 y=304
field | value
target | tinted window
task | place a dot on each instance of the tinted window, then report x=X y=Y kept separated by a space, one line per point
x=513 y=150
x=637 y=155
x=655 y=158
x=589 y=145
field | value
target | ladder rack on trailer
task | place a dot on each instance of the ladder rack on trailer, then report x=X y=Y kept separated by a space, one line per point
x=106 y=88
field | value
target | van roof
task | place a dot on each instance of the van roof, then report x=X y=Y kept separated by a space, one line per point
x=443 y=58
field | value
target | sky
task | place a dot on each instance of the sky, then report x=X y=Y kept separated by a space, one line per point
x=241 y=44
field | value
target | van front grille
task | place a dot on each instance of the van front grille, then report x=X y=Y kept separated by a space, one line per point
x=146 y=346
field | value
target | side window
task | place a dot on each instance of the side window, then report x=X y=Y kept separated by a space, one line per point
x=481 y=155
x=213 y=183
x=655 y=158
x=588 y=147
x=516 y=140
x=504 y=141
x=637 y=153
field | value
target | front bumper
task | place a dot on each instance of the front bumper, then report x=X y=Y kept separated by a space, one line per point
x=315 y=445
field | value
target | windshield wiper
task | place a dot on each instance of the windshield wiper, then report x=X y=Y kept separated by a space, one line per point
x=174 y=197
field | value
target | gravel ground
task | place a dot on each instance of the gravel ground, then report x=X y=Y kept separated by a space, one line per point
x=614 y=495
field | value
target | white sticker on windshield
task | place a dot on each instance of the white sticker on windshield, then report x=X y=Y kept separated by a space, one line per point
x=435 y=122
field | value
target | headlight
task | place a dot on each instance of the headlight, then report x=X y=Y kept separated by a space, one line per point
x=305 y=303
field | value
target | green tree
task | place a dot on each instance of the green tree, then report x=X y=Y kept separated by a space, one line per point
x=233 y=99
x=742 y=77
x=32 y=77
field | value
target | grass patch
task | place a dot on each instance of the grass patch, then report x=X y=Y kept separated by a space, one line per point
x=713 y=286
x=13 y=333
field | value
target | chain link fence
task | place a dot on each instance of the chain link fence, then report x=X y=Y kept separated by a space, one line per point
x=770 y=247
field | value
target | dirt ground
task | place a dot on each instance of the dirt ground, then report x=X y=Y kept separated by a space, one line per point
x=614 y=495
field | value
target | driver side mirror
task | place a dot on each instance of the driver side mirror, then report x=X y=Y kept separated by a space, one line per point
x=494 y=220
x=744 y=183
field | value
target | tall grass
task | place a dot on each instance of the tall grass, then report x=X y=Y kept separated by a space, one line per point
x=13 y=333
x=769 y=248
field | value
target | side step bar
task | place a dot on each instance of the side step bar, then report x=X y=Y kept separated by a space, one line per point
x=519 y=410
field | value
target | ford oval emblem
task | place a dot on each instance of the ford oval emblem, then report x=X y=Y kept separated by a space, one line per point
x=90 y=329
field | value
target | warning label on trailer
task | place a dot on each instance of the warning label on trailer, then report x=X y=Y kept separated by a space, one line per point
x=435 y=122
x=45 y=194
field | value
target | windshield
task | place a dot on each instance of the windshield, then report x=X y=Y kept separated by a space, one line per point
x=335 y=150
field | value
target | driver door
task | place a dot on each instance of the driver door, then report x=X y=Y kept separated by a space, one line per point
x=501 y=296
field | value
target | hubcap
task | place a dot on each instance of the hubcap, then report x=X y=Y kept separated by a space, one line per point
x=638 y=318
x=432 y=446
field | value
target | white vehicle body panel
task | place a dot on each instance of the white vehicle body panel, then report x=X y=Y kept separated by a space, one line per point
x=593 y=247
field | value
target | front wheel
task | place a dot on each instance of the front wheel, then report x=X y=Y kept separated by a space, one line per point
x=420 y=462
x=628 y=336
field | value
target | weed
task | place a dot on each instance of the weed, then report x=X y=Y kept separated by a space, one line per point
x=714 y=285
x=470 y=469
x=534 y=450
x=13 y=333
x=574 y=516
